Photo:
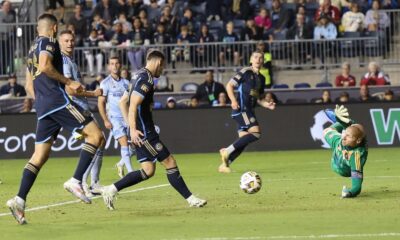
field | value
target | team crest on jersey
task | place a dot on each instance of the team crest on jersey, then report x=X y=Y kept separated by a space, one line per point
x=252 y=120
x=159 y=146
x=144 y=88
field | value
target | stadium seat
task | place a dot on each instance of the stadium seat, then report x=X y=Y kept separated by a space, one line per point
x=216 y=25
x=215 y=33
x=302 y=85
x=351 y=48
x=279 y=49
x=372 y=48
x=280 y=86
x=239 y=23
x=323 y=85
x=189 y=87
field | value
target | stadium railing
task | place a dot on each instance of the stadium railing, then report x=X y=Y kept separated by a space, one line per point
x=15 y=40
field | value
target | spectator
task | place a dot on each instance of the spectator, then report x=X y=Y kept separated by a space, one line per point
x=229 y=50
x=280 y=19
x=271 y=97
x=375 y=19
x=138 y=38
x=194 y=102
x=100 y=26
x=308 y=19
x=222 y=100
x=339 y=4
x=27 y=107
x=239 y=9
x=171 y=103
x=174 y=7
x=345 y=79
x=187 y=20
x=146 y=24
x=328 y=10
x=106 y=10
x=182 y=51
x=116 y=37
x=389 y=96
x=364 y=95
x=375 y=76
x=301 y=31
x=169 y=21
x=96 y=83
x=266 y=69
x=204 y=53
x=353 y=21
x=209 y=90
x=12 y=88
x=126 y=25
x=251 y=32
x=125 y=73
x=148 y=2
x=93 y=42
x=122 y=7
x=213 y=10
x=324 y=30
x=153 y=10
x=263 y=20
x=7 y=38
x=133 y=8
x=386 y=4
x=325 y=98
x=343 y=98
x=53 y=7
x=80 y=23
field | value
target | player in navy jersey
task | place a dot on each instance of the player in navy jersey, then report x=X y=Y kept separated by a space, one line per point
x=67 y=45
x=113 y=88
x=149 y=147
x=46 y=84
x=250 y=84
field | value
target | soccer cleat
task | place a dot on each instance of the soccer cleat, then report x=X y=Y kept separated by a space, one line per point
x=224 y=167
x=95 y=188
x=17 y=209
x=120 y=170
x=196 y=202
x=86 y=190
x=76 y=190
x=109 y=193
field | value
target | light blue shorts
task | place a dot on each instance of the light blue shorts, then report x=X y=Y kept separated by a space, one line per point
x=119 y=127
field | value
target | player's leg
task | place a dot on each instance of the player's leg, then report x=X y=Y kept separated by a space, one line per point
x=46 y=132
x=177 y=182
x=147 y=171
x=120 y=133
x=125 y=153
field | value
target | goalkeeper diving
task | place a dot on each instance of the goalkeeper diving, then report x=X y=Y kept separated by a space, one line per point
x=349 y=149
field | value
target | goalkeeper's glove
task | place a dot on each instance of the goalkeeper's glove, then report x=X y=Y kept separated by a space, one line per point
x=346 y=193
x=342 y=115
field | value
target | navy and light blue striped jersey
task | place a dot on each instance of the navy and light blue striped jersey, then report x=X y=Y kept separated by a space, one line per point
x=50 y=95
x=71 y=71
x=250 y=87
x=113 y=89
x=142 y=84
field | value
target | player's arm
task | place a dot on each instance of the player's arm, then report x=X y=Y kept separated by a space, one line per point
x=356 y=176
x=96 y=93
x=29 y=84
x=230 y=90
x=101 y=105
x=123 y=105
x=135 y=101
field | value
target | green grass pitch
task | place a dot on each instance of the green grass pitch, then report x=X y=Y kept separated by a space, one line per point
x=300 y=199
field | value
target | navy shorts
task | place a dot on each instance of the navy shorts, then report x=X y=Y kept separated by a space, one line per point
x=72 y=118
x=245 y=120
x=152 y=150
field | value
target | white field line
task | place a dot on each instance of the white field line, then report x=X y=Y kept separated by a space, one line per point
x=78 y=201
x=357 y=235
x=326 y=178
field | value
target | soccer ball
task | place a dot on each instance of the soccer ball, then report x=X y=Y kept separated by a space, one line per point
x=250 y=182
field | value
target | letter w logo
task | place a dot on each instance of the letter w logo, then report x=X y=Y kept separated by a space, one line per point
x=385 y=129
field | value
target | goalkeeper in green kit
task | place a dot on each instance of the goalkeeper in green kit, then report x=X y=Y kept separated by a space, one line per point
x=348 y=143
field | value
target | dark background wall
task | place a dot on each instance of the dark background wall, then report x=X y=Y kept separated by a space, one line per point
x=288 y=127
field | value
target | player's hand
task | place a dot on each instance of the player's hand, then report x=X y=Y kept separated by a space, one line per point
x=98 y=92
x=235 y=105
x=136 y=137
x=342 y=114
x=108 y=124
x=76 y=86
x=269 y=105
x=346 y=193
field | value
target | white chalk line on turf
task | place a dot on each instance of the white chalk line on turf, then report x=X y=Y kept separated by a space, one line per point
x=357 y=235
x=322 y=178
x=78 y=201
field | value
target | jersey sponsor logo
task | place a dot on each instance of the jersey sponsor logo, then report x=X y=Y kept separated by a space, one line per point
x=252 y=120
x=159 y=147
x=321 y=121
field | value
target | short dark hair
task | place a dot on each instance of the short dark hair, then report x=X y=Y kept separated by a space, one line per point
x=67 y=32
x=48 y=17
x=112 y=57
x=154 y=54
x=258 y=51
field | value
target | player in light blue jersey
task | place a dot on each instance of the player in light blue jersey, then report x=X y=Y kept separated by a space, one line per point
x=113 y=88
x=67 y=45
